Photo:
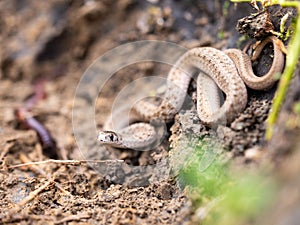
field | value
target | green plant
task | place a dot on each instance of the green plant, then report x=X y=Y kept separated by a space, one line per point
x=291 y=62
x=226 y=196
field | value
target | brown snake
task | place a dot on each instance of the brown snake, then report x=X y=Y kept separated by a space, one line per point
x=227 y=70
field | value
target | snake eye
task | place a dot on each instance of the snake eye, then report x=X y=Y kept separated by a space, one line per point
x=112 y=137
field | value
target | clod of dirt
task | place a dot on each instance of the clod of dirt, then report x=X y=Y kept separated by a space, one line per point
x=256 y=26
x=264 y=23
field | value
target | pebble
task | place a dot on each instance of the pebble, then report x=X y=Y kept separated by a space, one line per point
x=253 y=153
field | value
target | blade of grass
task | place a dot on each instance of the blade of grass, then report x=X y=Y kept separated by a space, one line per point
x=291 y=63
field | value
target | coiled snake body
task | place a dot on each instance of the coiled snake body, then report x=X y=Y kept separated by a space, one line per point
x=229 y=71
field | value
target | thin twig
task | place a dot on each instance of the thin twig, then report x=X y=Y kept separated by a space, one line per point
x=29 y=198
x=291 y=63
x=40 y=171
x=22 y=217
x=283 y=3
x=52 y=219
x=64 y=162
x=6 y=148
x=62 y=152
x=73 y=218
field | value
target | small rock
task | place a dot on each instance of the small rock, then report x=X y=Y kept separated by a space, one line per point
x=253 y=153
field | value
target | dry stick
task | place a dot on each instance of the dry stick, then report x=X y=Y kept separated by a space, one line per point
x=63 y=152
x=73 y=217
x=26 y=200
x=39 y=217
x=36 y=169
x=49 y=218
x=7 y=147
x=64 y=162
x=20 y=217
x=40 y=171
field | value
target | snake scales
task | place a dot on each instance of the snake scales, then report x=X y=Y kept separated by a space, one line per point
x=228 y=70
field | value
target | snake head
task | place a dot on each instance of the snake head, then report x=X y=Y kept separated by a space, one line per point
x=108 y=137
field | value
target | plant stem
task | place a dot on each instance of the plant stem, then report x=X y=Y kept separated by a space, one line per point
x=291 y=63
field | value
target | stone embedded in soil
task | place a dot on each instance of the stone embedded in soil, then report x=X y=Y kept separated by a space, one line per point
x=246 y=131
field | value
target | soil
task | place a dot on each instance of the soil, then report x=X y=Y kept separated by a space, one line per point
x=53 y=43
